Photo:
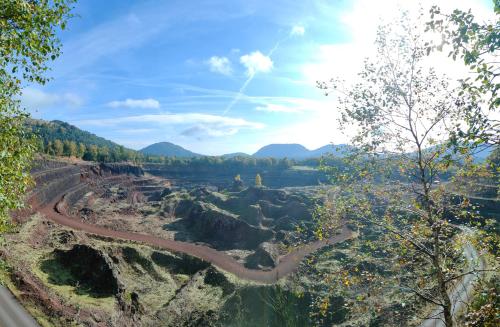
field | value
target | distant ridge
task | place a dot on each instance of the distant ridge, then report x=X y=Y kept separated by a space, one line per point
x=49 y=131
x=168 y=149
x=297 y=151
x=278 y=151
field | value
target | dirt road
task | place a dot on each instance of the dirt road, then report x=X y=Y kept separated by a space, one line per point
x=287 y=264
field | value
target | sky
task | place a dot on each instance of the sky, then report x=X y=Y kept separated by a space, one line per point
x=213 y=76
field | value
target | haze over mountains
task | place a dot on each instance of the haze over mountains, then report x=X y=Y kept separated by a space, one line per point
x=291 y=151
x=49 y=131
x=297 y=151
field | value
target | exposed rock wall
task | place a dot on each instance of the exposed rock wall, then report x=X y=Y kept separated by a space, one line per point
x=91 y=268
x=45 y=164
x=46 y=192
x=58 y=178
x=275 y=178
x=121 y=169
x=218 y=227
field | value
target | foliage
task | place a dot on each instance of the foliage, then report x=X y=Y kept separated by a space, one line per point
x=403 y=115
x=15 y=156
x=477 y=44
x=62 y=139
x=27 y=42
x=484 y=309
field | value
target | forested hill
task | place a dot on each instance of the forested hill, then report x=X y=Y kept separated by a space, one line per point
x=49 y=131
x=62 y=139
x=168 y=149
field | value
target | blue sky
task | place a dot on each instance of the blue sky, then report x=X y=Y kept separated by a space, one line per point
x=212 y=76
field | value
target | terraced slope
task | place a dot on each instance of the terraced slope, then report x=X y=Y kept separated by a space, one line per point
x=59 y=188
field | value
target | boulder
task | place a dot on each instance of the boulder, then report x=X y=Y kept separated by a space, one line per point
x=89 y=268
x=265 y=257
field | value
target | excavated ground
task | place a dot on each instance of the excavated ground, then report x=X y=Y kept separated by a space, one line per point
x=65 y=192
x=100 y=246
x=107 y=245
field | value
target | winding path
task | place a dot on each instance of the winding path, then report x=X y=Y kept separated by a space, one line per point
x=13 y=314
x=287 y=263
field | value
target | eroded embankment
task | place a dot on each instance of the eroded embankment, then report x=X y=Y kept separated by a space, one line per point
x=61 y=187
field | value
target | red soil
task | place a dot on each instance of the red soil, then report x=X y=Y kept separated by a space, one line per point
x=288 y=263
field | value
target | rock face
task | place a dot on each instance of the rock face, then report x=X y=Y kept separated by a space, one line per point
x=121 y=169
x=223 y=176
x=179 y=264
x=265 y=257
x=238 y=185
x=220 y=228
x=90 y=268
x=215 y=278
x=236 y=220
x=62 y=176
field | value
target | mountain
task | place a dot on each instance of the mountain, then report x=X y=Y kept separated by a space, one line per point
x=482 y=153
x=297 y=151
x=169 y=150
x=49 y=131
x=338 y=150
x=291 y=151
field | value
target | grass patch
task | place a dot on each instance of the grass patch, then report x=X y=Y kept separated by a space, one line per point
x=181 y=264
x=77 y=296
x=132 y=256
x=65 y=284
x=4 y=273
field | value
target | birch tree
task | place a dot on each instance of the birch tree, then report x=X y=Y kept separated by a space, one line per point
x=402 y=115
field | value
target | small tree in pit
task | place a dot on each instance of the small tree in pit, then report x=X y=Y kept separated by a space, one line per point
x=258 y=180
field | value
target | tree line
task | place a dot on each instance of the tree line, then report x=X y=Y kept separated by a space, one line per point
x=58 y=138
x=88 y=152
x=118 y=153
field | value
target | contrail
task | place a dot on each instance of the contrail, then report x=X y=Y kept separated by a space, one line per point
x=240 y=93
x=251 y=76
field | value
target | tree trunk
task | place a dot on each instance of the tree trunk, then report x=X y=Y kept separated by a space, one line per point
x=436 y=259
x=446 y=302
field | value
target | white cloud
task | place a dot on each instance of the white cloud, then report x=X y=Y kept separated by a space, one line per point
x=192 y=124
x=35 y=99
x=221 y=65
x=344 y=60
x=256 y=62
x=277 y=108
x=199 y=130
x=135 y=103
x=298 y=30
x=292 y=105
